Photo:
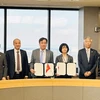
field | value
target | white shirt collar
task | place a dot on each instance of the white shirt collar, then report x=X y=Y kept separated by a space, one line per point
x=87 y=49
x=43 y=50
x=15 y=50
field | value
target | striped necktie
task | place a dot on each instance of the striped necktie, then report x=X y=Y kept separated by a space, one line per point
x=18 y=61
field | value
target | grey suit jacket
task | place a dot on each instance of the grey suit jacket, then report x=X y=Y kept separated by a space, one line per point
x=59 y=59
x=35 y=58
x=3 y=66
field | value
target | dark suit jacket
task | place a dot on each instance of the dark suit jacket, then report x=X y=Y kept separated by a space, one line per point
x=3 y=66
x=11 y=63
x=59 y=59
x=84 y=65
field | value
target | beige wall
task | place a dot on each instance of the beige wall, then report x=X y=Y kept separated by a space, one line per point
x=81 y=28
x=99 y=33
x=88 y=22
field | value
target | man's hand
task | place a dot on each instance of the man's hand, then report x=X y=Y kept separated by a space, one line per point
x=32 y=71
x=86 y=74
x=57 y=74
x=3 y=78
x=89 y=73
x=8 y=77
x=26 y=77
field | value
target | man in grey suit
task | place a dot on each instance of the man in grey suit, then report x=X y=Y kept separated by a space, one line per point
x=87 y=59
x=41 y=55
x=3 y=67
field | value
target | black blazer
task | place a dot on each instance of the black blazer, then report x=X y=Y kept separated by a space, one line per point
x=3 y=66
x=59 y=59
x=11 y=63
x=84 y=65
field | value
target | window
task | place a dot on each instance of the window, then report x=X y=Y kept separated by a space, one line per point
x=1 y=30
x=64 y=29
x=28 y=26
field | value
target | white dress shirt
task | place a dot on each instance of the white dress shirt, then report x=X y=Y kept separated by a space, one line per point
x=44 y=55
x=88 y=53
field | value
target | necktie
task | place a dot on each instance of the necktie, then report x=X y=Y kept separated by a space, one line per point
x=41 y=57
x=18 y=61
x=88 y=54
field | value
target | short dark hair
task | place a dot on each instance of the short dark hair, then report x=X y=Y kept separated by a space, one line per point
x=63 y=44
x=41 y=39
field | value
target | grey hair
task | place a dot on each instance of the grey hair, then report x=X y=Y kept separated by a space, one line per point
x=89 y=38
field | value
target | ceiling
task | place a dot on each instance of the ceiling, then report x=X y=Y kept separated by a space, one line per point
x=51 y=3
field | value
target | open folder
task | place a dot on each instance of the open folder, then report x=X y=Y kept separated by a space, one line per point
x=63 y=68
x=38 y=67
x=46 y=69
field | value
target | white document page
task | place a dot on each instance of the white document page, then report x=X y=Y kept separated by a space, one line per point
x=49 y=69
x=71 y=69
x=61 y=68
x=38 y=67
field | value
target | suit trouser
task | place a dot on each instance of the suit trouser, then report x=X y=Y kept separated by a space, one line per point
x=18 y=76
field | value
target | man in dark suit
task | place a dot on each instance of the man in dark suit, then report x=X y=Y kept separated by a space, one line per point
x=87 y=58
x=3 y=67
x=47 y=56
x=17 y=62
